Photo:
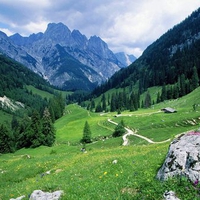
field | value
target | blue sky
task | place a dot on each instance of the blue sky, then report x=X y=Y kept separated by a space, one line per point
x=125 y=25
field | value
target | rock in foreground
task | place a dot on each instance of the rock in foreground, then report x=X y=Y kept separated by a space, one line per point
x=40 y=195
x=183 y=158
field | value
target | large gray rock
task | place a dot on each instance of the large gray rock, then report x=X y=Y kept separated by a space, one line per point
x=170 y=195
x=183 y=158
x=40 y=195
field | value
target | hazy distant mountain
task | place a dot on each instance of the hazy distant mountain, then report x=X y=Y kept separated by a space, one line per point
x=125 y=59
x=66 y=59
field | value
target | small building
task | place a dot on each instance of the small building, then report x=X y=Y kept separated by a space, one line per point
x=168 y=110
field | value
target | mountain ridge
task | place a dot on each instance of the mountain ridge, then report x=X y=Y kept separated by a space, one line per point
x=35 y=50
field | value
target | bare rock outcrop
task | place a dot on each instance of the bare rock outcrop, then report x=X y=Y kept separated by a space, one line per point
x=40 y=195
x=183 y=158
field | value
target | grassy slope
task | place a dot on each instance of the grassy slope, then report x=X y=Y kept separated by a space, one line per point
x=92 y=175
x=45 y=94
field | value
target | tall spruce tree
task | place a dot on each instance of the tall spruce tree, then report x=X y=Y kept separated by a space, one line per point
x=147 y=101
x=6 y=140
x=35 y=134
x=86 y=134
x=195 y=79
x=48 y=129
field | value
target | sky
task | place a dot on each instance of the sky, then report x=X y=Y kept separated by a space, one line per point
x=125 y=25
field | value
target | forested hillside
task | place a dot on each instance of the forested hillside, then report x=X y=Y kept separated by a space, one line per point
x=31 y=124
x=173 y=60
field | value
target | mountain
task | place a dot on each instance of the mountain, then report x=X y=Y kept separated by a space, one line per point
x=125 y=59
x=172 y=59
x=14 y=79
x=66 y=59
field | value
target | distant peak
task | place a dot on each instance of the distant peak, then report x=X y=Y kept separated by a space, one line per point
x=57 y=26
x=3 y=35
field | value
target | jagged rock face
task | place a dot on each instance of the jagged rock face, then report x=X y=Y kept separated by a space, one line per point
x=125 y=59
x=183 y=158
x=63 y=57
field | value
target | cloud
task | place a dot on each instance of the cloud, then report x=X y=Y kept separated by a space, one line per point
x=126 y=25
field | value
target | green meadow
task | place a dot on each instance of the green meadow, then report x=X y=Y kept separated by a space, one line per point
x=93 y=175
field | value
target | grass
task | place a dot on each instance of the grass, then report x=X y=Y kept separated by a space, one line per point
x=45 y=94
x=93 y=175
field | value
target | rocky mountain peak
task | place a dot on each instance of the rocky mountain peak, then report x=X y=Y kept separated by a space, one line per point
x=3 y=35
x=99 y=47
x=64 y=58
x=57 y=33
x=80 y=39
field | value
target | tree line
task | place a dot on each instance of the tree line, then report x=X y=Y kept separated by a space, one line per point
x=34 y=130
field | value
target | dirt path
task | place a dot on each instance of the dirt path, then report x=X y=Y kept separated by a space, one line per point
x=130 y=132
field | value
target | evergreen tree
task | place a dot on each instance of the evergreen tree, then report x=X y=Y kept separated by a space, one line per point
x=47 y=129
x=119 y=129
x=176 y=91
x=92 y=105
x=86 y=134
x=164 y=93
x=14 y=123
x=158 y=100
x=195 y=79
x=98 y=108
x=6 y=140
x=113 y=103
x=103 y=102
x=147 y=101
x=35 y=134
x=182 y=85
x=21 y=136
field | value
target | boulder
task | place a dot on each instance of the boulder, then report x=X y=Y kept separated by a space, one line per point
x=40 y=195
x=170 y=195
x=183 y=158
x=18 y=198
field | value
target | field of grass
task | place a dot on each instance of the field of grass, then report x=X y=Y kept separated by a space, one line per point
x=92 y=175
x=45 y=94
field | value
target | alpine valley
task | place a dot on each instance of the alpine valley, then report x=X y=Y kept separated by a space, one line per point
x=66 y=59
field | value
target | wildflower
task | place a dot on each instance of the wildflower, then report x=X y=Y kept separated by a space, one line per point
x=116 y=175
x=196 y=182
x=105 y=173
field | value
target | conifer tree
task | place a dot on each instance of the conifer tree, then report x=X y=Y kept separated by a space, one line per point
x=113 y=103
x=35 y=130
x=86 y=134
x=48 y=129
x=6 y=140
x=119 y=129
x=147 y=101
x=104 y=102
x=195 y=79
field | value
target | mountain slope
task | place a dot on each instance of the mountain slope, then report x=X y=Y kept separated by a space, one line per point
x=89 y=57
x=173 y=55
x=14 y=79
x=125 y=59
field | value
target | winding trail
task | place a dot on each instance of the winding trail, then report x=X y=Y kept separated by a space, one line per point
x=130 y=132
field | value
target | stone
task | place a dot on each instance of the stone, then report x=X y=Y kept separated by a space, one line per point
x=170 y=195
x=114 y=162
x=18 y=198
x=183 y=158
x=40 y=195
